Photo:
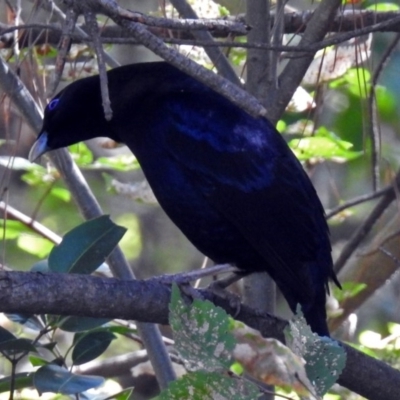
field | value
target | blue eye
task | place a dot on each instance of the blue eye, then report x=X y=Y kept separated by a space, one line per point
x=53 y=104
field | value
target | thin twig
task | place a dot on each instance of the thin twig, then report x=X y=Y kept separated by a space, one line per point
x=9 y=211
x=58 y=13
x=366 y=227
x=358 y=200
x=91 y=22
x=65 y=44
x=374 y=133
x=115 y=35
x=222 y=64
x=294 y=71
x=234 y=93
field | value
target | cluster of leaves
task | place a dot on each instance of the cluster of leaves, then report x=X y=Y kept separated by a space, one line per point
x=82 y=251
x=48 y=185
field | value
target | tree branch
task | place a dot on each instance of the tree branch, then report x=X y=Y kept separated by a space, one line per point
x=293 y=22
x=222 y=64
x=147 y=301
x=295 y=70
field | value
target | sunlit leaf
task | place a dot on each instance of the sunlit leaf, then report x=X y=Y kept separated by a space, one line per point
x=35 y=245
x=371 y=339
x=123 y=162
x=301 y=101
x=61 y=193
x=125 y=394
x=37 y=361
x=131 y=243
x=81 y=154
x=323 y=148
x=383 y=7
x=359 y=82
x=349 y=290
x=12 y=229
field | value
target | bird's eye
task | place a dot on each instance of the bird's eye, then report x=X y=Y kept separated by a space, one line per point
x=53 y=104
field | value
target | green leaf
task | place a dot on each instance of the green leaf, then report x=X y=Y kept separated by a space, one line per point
x=81 y=154
x=56 y=379
x=325 y=358
x=383 y=7
x=123 y=162
x=125 y=394
x=37 y=361
x=324 y=145
x=90 y=345
x=349 y=290
x=61 y=193
x=85 y=247
x=79 y=324
x=12 y=229
x=16 y=346
x=5 y=335
x=37 y=175
x=386 y=102
x=30 y=321
x=358 y=81
x=36 y=245
x=203 y=385
x=201 y=332
x=131 y=243
x=21 y=380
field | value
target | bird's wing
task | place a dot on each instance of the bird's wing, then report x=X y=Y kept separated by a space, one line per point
x=250 y=176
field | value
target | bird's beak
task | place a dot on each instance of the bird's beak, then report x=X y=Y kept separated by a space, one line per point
x=39 y=147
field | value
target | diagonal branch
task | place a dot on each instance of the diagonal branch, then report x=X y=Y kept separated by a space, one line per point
x=295 y=70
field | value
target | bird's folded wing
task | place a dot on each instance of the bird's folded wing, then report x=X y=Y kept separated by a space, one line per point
x=263 y=191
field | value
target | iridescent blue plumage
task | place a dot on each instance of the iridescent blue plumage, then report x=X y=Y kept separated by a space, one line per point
x=226 y=179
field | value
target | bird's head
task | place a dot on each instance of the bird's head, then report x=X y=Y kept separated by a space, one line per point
x=73 y=115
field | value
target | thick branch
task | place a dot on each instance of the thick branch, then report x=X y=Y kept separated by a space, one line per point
x=147 y=301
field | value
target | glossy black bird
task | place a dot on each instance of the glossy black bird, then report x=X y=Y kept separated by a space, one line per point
x=227 y=180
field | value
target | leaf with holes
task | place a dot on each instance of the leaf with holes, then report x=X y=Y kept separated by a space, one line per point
x=325 y=358
x=201 y=333
x=203 y=385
